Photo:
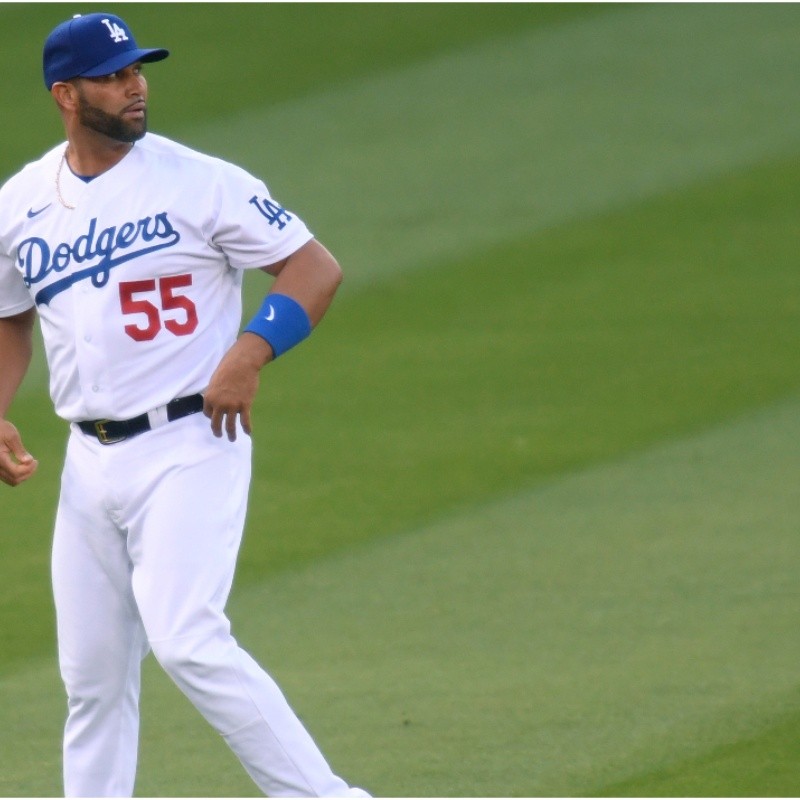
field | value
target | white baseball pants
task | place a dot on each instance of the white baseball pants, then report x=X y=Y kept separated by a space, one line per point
x=146 y=539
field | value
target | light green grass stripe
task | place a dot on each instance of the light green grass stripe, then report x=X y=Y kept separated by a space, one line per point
x=611 y=622
x=596 y=628
x=473 y=148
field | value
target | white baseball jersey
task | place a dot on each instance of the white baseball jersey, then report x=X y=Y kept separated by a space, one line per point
x=138 y=287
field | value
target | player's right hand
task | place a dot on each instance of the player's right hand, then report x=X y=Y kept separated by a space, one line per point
x=16 y=463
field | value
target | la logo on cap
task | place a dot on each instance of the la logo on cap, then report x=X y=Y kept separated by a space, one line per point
x=117 y=33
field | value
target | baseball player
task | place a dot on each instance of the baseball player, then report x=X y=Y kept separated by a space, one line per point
x=130 y=248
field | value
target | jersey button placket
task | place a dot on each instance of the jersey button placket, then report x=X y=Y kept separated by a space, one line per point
x=90 y=367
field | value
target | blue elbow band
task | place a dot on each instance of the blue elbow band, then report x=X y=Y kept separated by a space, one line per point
x=282 y=321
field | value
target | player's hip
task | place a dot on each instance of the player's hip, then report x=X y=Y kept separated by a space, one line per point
x=132 y=469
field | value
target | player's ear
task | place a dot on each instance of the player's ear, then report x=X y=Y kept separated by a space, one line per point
x=65 y=94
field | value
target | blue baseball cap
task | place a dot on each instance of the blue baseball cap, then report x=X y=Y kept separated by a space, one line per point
x=91 y=46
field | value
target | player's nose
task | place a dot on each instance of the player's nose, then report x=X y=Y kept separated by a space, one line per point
x=135 y=84
x=136 y=87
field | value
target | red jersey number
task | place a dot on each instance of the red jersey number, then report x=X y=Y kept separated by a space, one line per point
x=132 y=300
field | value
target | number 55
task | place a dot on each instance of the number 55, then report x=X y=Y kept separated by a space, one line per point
x=184 y=325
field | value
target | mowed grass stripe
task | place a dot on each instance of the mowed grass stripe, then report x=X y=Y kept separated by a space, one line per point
x=615 y=621
x=523 y=362
x=762 y=766
x=620 y=621
x=471 y=148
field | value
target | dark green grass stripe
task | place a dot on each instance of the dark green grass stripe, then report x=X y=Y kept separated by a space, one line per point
x=472 y=380
x=764 y=765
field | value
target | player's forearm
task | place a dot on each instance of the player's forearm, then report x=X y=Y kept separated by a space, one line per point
x=310 y=276
x=16 y=348
x=304 y=286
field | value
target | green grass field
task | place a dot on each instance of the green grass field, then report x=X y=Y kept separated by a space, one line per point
x=524 y=515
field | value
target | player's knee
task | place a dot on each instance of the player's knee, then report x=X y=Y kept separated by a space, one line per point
x=94 y=689
x=186 y=655
x=174 y=655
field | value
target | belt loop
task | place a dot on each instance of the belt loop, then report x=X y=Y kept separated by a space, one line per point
x=157 y=417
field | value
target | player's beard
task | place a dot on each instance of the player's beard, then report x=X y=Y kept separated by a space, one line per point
x=110 y=125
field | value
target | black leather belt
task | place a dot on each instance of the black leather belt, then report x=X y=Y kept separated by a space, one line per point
x=111 y=431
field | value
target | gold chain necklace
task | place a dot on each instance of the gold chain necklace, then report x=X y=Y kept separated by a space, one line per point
x=58 y=180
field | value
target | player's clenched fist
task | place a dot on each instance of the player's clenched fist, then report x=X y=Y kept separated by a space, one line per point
x=16 y=463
